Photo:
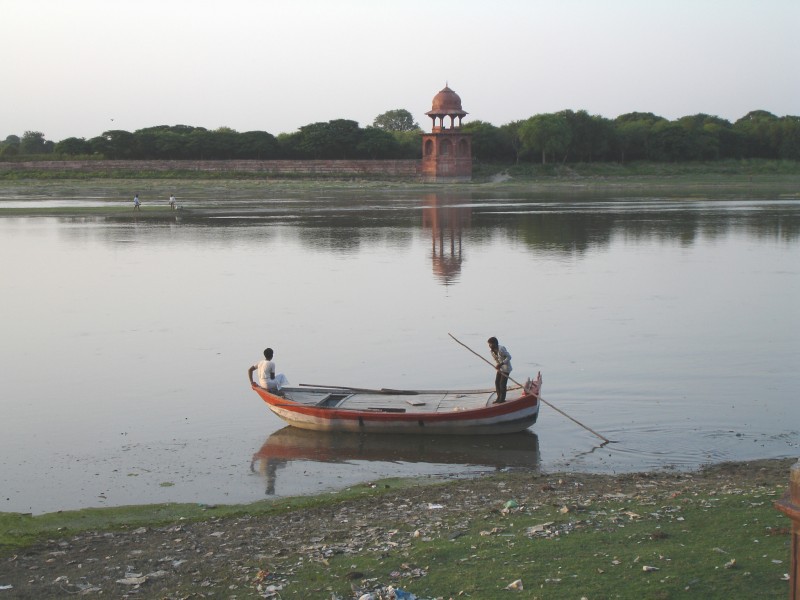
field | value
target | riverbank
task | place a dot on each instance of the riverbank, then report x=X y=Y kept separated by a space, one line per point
x=112 y=197
x=402 y=172
x=713 y=533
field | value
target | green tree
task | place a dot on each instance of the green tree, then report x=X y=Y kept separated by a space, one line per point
x=33 y=142
x=288 y=145
x=9 y=147
x=222 y=143
x=488 y=142
x=333 y=140
x=159 y=142
x=73 y=146
x=639 y=116
x=790 y=139
x=546 y=134
x=591 y=137
x=115 y=144
x=315 y=141
x=99 y=146
x=758 y=128
x=398 y=119
x=632 y=134
x=168 y=145
x=669 y=142
x=409 y=143
x=258 y=145
x=512 y=135
x=145 y=144
x=11 y=140
x=704 y=133
x=198 y=144
x=377 y=143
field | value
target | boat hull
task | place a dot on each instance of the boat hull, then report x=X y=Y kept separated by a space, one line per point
x=514 y=415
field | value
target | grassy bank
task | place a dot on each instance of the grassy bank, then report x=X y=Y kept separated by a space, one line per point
x=198 y=195
x=482 y=172
x=713 y=169
x=708 y=534
x=21 y=530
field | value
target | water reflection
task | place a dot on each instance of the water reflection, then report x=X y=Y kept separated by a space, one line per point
x=562 y=225
x=290 y=444
x=446 y=217
x=574 y=225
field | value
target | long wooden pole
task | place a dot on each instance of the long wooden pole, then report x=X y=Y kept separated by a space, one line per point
x=386 y=391
x=605 y=439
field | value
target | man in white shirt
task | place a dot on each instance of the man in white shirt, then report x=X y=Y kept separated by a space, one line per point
x=266 y=372
x=502 y=358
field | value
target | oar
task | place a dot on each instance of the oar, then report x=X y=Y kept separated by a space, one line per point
x=385 y=391
x=605 y=439
x=371 y=408
x=393 y=392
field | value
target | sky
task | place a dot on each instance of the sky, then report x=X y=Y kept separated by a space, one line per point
x=77 y=68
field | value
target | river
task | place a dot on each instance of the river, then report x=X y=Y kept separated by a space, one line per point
x=669 y=323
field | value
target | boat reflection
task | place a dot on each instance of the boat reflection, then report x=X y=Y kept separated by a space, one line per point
x=518 y=450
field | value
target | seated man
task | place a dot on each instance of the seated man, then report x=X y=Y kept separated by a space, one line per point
x=266 y=373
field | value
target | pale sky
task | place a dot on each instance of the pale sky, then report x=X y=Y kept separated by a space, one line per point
x=81 y=67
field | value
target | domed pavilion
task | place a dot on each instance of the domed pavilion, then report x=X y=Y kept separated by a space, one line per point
x=446 y=150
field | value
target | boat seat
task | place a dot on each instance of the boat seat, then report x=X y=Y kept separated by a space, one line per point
x=332 y=400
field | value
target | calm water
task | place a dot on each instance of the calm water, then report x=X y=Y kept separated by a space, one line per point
x=670 y=325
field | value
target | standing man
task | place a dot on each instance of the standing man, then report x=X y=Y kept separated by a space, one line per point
x=502 y=360
x=172 y=201
x=136 y=202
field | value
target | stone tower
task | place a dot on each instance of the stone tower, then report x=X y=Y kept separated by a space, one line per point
x=446 y=150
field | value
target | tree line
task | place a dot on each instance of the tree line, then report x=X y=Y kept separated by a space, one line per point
x=566 y=136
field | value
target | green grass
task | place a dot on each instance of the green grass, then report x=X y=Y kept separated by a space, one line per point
x=482 y=172
x=598 y=553
x=188 y=174
x=708 y=540
x=743 y=168
x=18 y=530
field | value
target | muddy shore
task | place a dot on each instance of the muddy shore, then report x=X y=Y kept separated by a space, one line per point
x=254 y=556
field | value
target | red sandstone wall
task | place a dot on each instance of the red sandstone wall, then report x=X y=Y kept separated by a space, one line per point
x=392 y=168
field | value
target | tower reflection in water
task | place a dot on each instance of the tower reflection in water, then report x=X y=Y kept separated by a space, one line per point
x=446 y=216
x=346 y=451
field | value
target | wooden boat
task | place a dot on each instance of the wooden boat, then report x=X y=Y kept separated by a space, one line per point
x=335 y=408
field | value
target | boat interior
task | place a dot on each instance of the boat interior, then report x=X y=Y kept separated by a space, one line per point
x=399 y=401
